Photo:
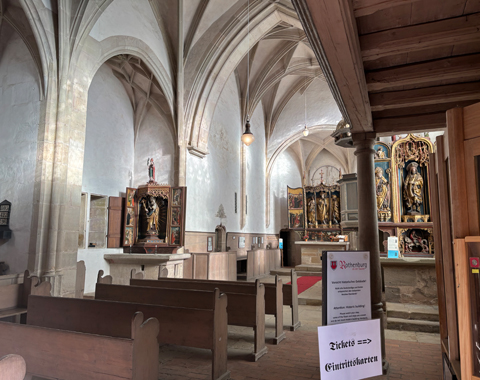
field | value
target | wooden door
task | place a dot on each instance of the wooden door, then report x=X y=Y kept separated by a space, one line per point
x=115 y=222
x=463 y=132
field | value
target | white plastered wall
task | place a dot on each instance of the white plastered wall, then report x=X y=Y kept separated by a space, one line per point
x=285 y=173
x=213 y=180
x=19 y=121
x=256 y=167
x=155 y=141
x=109 y=154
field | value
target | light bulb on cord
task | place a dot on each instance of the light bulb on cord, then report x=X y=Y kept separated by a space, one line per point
x=247 y=137
x=305 y=131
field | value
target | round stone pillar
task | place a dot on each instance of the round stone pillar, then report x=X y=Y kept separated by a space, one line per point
x=368 y=224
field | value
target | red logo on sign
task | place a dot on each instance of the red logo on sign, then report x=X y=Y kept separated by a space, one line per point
x=334 y=265
x=474 y=262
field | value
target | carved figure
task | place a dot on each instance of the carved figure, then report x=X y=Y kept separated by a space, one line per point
x=379 y=153
x=382 y=191
x=322 y=209
x=151 y=169
x=335 y=209
x=412 y=189
x=311 y=211
x=151 y=211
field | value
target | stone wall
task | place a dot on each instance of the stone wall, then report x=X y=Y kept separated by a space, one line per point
x=19 y=123
x=410 y=281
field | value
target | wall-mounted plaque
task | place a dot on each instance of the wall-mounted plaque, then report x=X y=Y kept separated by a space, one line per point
x=241 y=242
x=5 y=210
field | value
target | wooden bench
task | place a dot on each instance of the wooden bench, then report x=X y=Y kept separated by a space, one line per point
x=246 y=304
x=14 y=298
x=290 y=298
x=200 y=328
x=59 y=354
x=12 y=367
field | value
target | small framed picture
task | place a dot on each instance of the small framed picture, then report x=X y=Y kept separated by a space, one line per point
x=254 y=240
x=262 y=239
x=176 y=217
x=209 y=244
x=177 y=197
x=128 y=236
x=241 y=242
x=175 y=236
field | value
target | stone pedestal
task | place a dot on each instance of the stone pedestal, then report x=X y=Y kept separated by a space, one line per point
x=410 y=281
x=311 y=251
x=155 y=266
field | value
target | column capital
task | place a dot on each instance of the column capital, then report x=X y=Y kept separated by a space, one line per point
x=363 y=143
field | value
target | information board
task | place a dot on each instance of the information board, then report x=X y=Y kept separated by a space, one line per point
x=346 y=286
x=350 y=351
x=392 y=247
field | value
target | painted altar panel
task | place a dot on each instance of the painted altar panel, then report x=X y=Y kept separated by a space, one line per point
x=296 y=215
x=383 y=181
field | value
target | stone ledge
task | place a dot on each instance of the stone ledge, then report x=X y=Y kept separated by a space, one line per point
x=421 y=261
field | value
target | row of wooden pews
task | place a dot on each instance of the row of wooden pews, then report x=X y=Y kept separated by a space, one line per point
x=118 y=332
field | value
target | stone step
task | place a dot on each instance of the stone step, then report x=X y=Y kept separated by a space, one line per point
x=412 y=325
x=308 y=268
x=412 y=312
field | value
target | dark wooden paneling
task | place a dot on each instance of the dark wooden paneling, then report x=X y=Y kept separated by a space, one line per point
x=115 y=222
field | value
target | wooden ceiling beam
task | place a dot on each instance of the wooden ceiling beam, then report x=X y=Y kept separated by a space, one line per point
x=465 y=29
x=332 y=31
x=368 y=7
x=425 y=96
x=408 y=124
x=458 y=69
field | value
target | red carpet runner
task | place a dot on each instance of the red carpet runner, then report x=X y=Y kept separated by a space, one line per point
x=306 y=282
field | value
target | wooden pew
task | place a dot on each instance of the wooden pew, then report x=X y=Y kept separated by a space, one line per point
x=290 y=298
x=60 y=354
x=12 y=367
x=80 y=279
x=200 y=328
x=246 y=304
x=14 y=298
x=104 y=279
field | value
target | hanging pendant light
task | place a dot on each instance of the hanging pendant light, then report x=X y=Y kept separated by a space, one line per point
x=247 y=137
x=305 y=130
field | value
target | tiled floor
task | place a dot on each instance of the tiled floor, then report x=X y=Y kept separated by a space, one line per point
x=297 y=356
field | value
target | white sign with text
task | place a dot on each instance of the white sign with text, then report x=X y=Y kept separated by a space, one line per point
x=350 y=351
x=348 y=286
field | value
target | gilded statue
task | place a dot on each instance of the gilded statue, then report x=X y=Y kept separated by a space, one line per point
x=335 y=209
x=382 y=190
x=412 y=189
x=151 y=212
x=311 y=211
x=322 y=209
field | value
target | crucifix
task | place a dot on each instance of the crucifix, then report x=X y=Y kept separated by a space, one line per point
x=321 y=176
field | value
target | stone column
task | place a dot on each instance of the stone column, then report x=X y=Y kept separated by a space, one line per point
x=368 y=223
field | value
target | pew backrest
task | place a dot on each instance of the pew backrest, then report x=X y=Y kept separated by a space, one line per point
x=196 y=299
x=81 y=356
x=104 y=279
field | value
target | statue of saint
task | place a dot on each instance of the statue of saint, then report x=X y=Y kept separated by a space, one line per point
x=151 y=211
x=151 y=169
x=382 y=190
x=379 y=153
x=335 y=209
x=322 y=209
x=311 y=211
x=412 y=189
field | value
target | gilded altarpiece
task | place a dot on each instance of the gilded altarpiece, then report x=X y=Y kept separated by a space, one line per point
x=314 y=211
x=154 y=219
x=402 y=190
